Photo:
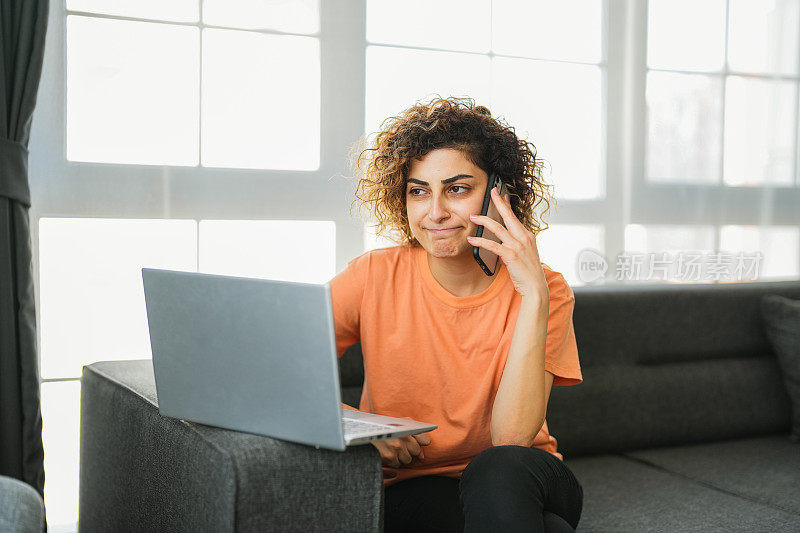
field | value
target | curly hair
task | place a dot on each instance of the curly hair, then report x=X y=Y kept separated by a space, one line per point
x=456 y=123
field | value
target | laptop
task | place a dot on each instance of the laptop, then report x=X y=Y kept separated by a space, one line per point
x=254 y=355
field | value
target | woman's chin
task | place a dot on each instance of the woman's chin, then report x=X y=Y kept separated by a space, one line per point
x=447 y=248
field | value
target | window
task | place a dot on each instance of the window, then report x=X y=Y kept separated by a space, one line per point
x=93 y=309
x=171 y=138
x=719 y=120
x=194 y=86
x=91 y=295
x=722 y=99
x=529 y=62
x=534 y=64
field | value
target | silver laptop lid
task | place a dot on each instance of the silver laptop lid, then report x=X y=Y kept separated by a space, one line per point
x=247 y=354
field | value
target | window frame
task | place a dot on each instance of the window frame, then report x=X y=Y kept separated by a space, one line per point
x=702 y=204
x=62 y=188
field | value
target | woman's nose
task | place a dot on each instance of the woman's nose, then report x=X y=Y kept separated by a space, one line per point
x=438 y=207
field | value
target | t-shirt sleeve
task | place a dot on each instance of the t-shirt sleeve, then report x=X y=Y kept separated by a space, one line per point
x=347 y=293
x=561 y=351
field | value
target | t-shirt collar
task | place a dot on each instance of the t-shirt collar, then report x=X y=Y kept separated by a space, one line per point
x=501 y=280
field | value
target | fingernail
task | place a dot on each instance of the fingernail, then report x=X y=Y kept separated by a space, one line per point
x=473 y=216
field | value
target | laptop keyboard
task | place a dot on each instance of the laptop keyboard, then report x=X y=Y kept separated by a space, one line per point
x=355 y=427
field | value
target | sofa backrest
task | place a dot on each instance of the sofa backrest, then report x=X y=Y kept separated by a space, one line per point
x=662 y=365
x=351 y=375
x=670 y=364
x=661 y=324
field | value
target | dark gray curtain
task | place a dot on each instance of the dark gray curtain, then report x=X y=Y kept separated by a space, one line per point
x=22 y=35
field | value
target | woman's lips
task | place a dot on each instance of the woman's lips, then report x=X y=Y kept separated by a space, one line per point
x=442 y=231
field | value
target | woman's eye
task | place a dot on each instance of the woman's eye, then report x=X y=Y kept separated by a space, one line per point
x=411 y=192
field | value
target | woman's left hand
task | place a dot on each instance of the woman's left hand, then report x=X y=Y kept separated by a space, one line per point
x=518 y=249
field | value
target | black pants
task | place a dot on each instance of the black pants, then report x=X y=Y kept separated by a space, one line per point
x=503 y=488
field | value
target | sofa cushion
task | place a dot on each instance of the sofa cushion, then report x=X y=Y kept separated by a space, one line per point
x=664 y=323
x=782 y=324
x=622 y=494
x=629 y=407
x=762 y=469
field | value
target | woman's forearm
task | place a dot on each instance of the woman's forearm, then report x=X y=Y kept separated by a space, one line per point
x=519 y=406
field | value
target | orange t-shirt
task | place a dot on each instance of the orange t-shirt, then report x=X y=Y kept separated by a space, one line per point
x=439 y=358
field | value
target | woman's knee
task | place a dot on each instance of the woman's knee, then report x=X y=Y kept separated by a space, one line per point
x=525 y=480
x=553 y=523
x=501 y=469
x=509 y=458
x=504 y=465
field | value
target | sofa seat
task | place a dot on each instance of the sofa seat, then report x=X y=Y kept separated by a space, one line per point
x=762 y=469
x=748 y=484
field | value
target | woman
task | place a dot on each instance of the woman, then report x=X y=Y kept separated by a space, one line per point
x=446 y=344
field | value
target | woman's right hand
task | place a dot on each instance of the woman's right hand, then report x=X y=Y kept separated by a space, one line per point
x=402 y=450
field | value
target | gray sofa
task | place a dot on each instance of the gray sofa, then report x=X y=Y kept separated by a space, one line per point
x=681 y=424
x=21 y=507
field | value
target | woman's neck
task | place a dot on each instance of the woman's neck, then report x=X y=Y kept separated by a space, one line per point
x=460 y=276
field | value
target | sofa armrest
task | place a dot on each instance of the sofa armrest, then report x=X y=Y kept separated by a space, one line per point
x=145 y=472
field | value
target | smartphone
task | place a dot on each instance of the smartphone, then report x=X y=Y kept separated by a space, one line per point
x=488 y=260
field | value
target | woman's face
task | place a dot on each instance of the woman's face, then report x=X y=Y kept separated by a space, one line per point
x=443 y=189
